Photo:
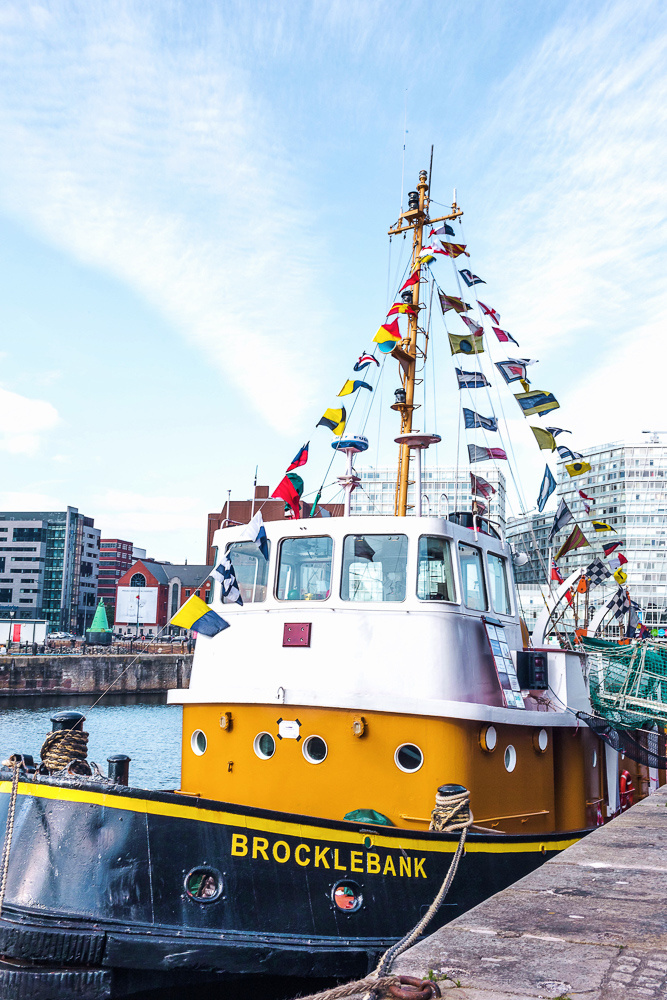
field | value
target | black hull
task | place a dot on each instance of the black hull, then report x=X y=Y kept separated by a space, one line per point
x=96 y=880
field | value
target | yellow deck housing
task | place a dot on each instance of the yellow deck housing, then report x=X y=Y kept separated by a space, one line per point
x=554 y=790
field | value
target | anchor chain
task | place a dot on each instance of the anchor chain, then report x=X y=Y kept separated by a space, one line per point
x=9 y=830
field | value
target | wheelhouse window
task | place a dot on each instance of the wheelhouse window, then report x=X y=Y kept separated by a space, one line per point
x=374 y=568
x=498 y=584
x=304 y=573
x=435 y=579
x=472 y=578
x=252 y=570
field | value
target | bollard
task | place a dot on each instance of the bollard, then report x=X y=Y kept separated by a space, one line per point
x=67 y=720
x=119 y=768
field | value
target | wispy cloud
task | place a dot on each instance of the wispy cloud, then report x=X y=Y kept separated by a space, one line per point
x=24 y=422
x=575 y=219
x=160 y=171
x=143 y=517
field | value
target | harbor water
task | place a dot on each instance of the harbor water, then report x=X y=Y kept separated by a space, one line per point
x=142 y=726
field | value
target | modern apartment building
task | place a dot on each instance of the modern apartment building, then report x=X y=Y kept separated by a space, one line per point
x=116 y=557
x=627 y=482
x=49 y=564
x=444 y=490
x=528 y=534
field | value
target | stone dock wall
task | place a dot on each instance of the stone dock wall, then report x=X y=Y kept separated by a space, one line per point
x=591 y=922
x=25 y=675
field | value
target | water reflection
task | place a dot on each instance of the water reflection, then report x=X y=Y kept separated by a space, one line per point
x=141 y=725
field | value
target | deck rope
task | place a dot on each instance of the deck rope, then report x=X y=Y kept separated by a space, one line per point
x=451 y=813
x=371 y=985
x=9 y=830
x=63 y=746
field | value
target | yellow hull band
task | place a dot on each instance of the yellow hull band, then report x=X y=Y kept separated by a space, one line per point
x=281 y=827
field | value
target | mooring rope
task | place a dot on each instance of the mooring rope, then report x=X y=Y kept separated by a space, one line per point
x=451 y=813
x=63 y=746
x=9 y=830
x=370 y=985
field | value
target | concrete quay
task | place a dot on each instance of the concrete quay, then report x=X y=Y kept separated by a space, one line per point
x=92 y=674
x=591 y=923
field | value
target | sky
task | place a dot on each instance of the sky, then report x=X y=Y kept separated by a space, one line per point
x=194 y=204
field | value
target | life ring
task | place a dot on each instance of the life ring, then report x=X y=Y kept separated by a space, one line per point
x=626 y=789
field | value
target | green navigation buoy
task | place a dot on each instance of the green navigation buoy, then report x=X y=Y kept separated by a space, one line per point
x=99 y=633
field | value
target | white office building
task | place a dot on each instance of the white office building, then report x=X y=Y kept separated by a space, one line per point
x=628 y=484
x=444 y=490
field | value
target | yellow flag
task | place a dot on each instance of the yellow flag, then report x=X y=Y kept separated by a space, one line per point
x=620 y=576
x=466 y=344
x=545 y=440
x=602 y=526
x=578 y=468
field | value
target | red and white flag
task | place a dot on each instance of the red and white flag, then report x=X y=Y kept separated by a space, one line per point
x=488 y=311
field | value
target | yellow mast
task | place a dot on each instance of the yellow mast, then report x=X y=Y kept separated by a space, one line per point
x=407 y=351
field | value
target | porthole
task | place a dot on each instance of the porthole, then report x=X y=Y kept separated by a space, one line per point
x=315 y=749
x=203 y=885
x=347 y=896
x=595 y=758
x=408 y=757
x=264 y=746
x=510 y=758
x=540 y=740
x=198 y=742
x=488 y=738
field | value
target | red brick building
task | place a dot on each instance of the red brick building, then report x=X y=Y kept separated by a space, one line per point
x=115 y=560
x=241 y=511
x=149 y=593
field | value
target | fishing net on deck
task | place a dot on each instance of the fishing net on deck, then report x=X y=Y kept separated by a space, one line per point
x=628 y=684
x=646 y=746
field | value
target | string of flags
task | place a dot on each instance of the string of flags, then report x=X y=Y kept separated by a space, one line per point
x=532 y=402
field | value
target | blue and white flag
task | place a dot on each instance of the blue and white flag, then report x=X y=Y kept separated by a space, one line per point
x=470 y=278
x=566 y=454
x=226 y=574
x=254 y=531
x=471 y=380
x=557 y=430
x=546 y=489
x=473 y=419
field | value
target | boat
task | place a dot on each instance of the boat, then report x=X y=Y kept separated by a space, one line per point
x=374 y=661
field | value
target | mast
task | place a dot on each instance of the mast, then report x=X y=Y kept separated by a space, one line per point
x=408 y=350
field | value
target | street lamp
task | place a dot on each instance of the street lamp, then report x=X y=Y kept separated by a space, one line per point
x=9 y=634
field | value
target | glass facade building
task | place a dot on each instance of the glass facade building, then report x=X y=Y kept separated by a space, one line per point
x=49 y=564
x=627 y=482
x=444 y=490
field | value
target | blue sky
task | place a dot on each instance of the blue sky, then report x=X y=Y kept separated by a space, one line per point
x=194 y=200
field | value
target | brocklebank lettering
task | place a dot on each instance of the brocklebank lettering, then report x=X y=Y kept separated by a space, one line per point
x=335 y=858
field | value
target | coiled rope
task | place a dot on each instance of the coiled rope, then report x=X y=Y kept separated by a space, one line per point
x=451 y=813
x=9 y=830
x=63 y=746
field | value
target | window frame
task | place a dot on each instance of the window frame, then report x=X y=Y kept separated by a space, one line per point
x=216 y=586
x=452 y=564
x=505 y=560
x=377 y=534
x=276 y=575
x=464 y=587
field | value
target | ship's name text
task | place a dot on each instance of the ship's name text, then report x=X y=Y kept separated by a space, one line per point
x=319 y=856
